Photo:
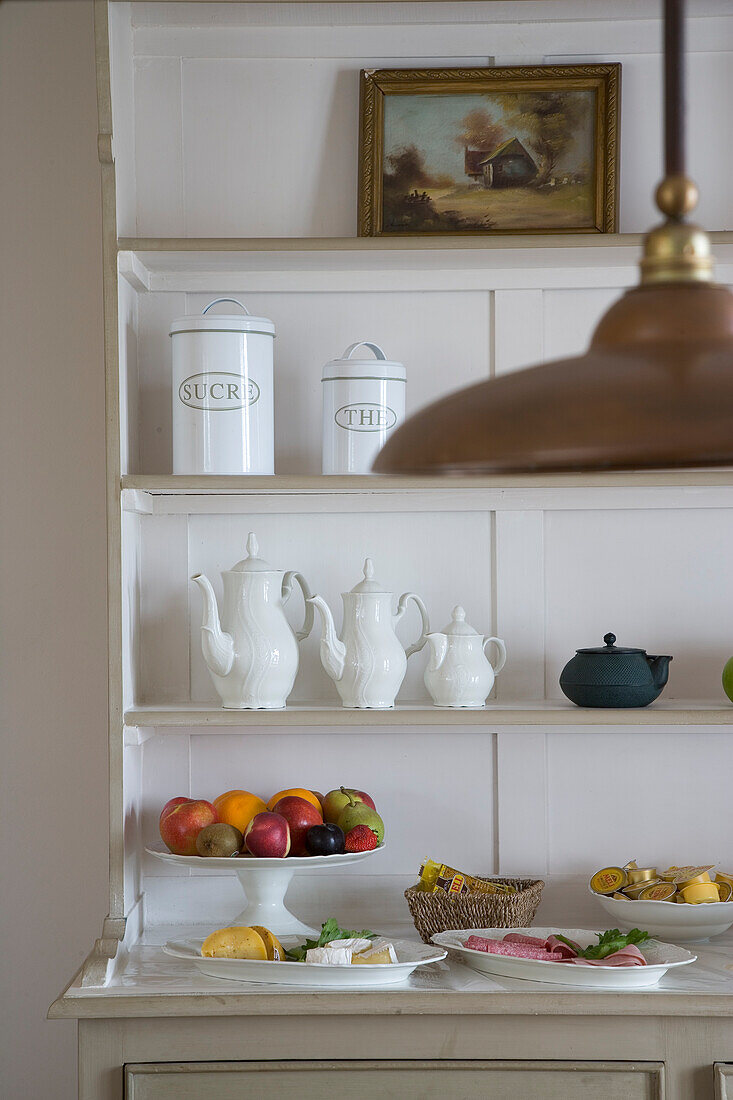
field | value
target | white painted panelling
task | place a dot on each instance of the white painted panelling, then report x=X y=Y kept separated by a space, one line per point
x=131 y=580
x=444 y=561
x=620 y=796
x=570 y=317
x=129 y=387
x=165 y=775
x=520 y=604
x=521 y=802
x=415 y=792
x=518 y=335
x=154 y=353
x=164 y=600
x=159 y=147
x=657 y=580
x=132 y=782
x=123 y=97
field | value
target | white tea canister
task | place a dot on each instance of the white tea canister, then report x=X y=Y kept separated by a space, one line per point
x=223 y=404
x=363 y=402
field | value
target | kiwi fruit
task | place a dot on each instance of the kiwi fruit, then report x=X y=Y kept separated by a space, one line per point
x=219 y=840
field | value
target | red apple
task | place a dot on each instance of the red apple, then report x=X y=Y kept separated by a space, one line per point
x=172 y=803
x=361 y=795
x=300 y=815
x=183 y=822
x=268 y=834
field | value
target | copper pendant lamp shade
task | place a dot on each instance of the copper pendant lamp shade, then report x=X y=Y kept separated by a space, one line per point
x=654 y=389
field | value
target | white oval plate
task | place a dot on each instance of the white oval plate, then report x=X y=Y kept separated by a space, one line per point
x=668 y=920
x=249 y=863
x=315 y=975
x=661 y=957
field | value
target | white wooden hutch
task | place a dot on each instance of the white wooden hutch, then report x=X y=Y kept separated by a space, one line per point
x=204 y=109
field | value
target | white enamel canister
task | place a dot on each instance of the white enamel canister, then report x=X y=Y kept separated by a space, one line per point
x=363 y=402
x=223 y=404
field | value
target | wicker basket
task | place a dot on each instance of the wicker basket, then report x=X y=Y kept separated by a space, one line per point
x=438 y=912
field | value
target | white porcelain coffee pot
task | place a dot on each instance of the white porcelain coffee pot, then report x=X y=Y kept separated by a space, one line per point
x=252 y=652
x=369 y=662
x=459 y=674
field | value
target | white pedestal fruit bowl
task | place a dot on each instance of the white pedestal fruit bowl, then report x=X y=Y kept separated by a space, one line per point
x=265 y=883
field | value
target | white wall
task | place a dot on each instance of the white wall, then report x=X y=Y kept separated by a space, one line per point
x=53 y=778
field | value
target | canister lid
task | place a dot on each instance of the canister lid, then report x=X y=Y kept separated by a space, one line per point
x=223 y=322
x=348 y=368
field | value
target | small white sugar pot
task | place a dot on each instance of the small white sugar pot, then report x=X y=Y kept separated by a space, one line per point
x=223 y=404
x=363 y=402
x=459 y=674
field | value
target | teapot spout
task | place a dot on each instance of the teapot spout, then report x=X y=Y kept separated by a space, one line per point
x=660 y=670
x=217 y=645
x=333 y=650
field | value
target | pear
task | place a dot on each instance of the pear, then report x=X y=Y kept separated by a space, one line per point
x=358 y=813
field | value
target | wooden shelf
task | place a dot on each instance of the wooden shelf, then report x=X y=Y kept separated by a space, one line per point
x=168 y=494
x=184 y=484
x=390 y=243
x=494 y=716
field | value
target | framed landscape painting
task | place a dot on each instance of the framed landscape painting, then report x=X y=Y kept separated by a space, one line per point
x=512 y=150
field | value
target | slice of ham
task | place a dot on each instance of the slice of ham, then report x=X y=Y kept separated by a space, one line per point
x=627 y=956
x=558 y=947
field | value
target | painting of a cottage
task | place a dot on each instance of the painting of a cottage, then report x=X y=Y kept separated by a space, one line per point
x=501 y=160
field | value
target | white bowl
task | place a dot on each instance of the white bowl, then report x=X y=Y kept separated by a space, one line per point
x=668 y=920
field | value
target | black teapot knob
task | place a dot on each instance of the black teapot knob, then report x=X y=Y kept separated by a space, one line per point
x=609 y=639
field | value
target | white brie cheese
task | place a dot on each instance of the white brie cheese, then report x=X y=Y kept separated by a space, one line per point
x=356 y=943
x=334 y=956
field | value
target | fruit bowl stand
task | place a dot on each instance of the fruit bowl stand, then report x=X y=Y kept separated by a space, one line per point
x=265 y=883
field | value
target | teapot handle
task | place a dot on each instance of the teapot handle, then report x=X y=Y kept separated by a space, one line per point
x=402 y=607
x=287 y=588
x=502 y=653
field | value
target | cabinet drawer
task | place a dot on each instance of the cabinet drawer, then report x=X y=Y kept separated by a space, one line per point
x=347 y=1080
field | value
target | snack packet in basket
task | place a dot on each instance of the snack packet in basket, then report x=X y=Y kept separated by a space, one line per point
x=435 y=877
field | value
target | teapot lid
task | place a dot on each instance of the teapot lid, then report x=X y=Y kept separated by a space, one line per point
x=458 y=627
x=368 y=584
x=252 y=563
x=610 y=647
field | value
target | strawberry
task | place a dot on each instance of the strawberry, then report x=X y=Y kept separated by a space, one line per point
x=361 y=839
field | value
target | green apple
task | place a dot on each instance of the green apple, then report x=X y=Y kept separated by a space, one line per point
x=728 y=679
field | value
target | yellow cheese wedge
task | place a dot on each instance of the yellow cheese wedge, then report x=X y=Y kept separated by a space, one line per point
x=234 y=943
x=275 y=950
x=379 y=954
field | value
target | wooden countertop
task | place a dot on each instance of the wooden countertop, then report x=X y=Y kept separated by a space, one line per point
x=151 y=984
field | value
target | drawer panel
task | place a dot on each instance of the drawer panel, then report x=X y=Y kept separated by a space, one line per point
x=436 y=1080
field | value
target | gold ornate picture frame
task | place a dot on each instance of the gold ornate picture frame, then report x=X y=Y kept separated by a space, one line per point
x=483 y=151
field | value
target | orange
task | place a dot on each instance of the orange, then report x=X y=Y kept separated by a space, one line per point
x=237 y=808
x=301 y=792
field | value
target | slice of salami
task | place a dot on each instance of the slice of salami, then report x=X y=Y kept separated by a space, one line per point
x=519 y=937
x=516 y=950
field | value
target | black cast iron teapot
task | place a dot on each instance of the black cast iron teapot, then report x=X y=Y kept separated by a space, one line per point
x=613 y=676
